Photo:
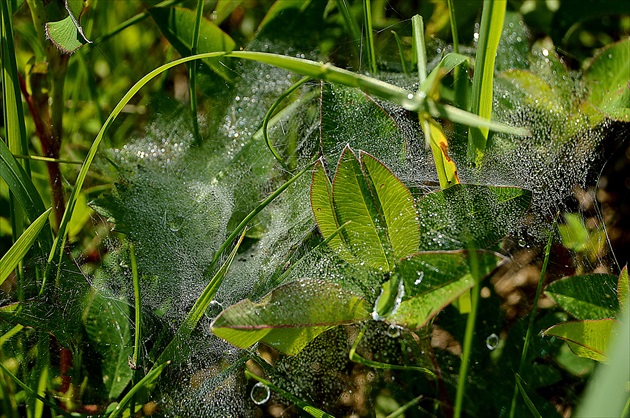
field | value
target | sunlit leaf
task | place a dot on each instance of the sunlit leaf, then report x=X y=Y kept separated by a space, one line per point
x=587 y=339
x=434 y=279
x=397 y=206
x=607 y=81
x=480 y=215
x=322 y=205
x=592 y=296
x=353 y=202
x=445 y=166
x=67 y=34
x=623 y=288
x=290 y=316
x=18 y=250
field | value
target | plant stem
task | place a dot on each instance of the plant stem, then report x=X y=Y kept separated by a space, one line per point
x=468 y=337
x=419 y=48
x=369 y=37
x=193 y=72
x=532 y=316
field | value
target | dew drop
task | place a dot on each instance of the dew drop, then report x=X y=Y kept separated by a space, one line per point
x=260 y=393
x=522 y=242
x=419 y=279
x=176 y=223
x=492 y=341
x=393 y=331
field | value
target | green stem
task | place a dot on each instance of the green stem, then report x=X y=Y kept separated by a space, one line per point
x=532 y=316
x=153 y=374
x=353 y=28
x=419 y=47
x=137 y=304
x=400 y=51
x=193 y=72
x=468 y=336
x=451 y=12
x=369 y=36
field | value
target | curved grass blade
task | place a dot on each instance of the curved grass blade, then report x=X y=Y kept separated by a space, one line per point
x=147 y=380
x=397 y=206
x=528 y=402
x=176 y=348
x=18 y=250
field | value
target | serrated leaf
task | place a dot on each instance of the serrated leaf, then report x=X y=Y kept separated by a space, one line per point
x=323 y=210
x=397 y=206
x=353 y=202
x=18 y=250
x=177 y=25
x=466 y=213
x=67 y=34
x=591 y=296
x=587 y=339
x=434 y=279
x=107 y=326
x=290 y=316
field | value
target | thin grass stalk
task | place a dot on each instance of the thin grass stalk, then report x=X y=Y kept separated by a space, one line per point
x=492 y=18
x=532 y=316
x=400 y=51
x=193 y=72
x=419 y=47
x=369 y=36
x=351 y=23
x=469 y=334
x=150 y=377
x=137 y=320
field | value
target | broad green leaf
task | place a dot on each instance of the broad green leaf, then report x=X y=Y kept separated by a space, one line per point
x=592 y=296
x=290 y=316
x=177 y=26
x=353 y=202
x=607 y=80
x=18 y=250
x=434 y=279
x=623 y=288
x=397 y=206
x=107 y=326
x=464 y=213
x=67 y=34
x=587 y=339
x=322 y=205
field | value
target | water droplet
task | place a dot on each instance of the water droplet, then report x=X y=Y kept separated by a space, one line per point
x=419 y=279
x=214 y=309
x=260 y=393
x=522 y=242
x=176 y=223
x=393 y=331
x=492 y=341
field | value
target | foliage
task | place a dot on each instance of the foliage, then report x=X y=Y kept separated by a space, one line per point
x=226 y=264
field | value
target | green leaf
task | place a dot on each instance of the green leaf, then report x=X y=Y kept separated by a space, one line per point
x=67 y=34
x=322 y=205
x=290 y=316
x=434 y=279
x=451 y=60
x=353 y=202
x=592 y=296
x=574 y=234
x=607 y=81
x=623 y=288
x=107 y=326
x=18 y=250
x=464 y=213
x=397 y=206
x=177 y=25
x=444 y=164
x=587 y=339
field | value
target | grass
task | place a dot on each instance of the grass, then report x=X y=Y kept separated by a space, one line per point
x=38 y=257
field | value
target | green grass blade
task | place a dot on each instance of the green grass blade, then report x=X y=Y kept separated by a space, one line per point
x=403 y=64
x=369 y=36
x=492 y=18
x=174 y=349
x=193 y=70
x=137 y=305
x=147 y=380
x=528 y=402
x=18 y=250
x=31 y=392
x=304 y=406
x=457 y=115
x=419 y=47
x=351 y=23
x=223 y=9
